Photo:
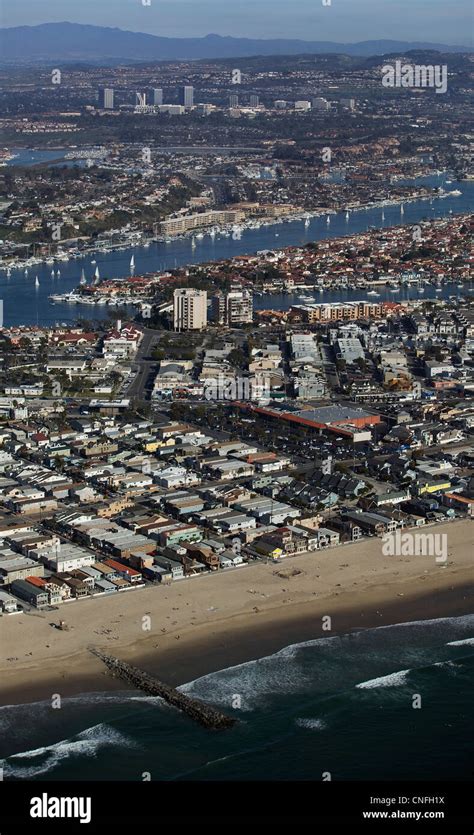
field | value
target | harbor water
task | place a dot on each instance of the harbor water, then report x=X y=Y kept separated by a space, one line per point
x=26 y=301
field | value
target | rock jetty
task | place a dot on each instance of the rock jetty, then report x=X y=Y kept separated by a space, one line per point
x=202 y=713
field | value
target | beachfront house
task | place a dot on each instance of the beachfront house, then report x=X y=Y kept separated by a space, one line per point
x=36 y=597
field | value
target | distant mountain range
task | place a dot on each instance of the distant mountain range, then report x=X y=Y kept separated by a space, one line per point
x=73 y=42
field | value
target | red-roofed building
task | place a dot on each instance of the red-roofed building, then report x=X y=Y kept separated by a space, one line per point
x=40 y=582
x=39 y=438
x=73 y=338
x=52 y=590
x=124 y=571
x=122 y=343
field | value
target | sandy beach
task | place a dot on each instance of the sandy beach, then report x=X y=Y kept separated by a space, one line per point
x=207 y=623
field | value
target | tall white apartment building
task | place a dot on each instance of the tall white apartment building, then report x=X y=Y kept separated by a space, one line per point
x=189 y=309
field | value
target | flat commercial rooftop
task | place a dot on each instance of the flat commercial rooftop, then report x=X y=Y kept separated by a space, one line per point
x=333 y=414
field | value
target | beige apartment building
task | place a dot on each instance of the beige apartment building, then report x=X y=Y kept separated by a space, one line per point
x=339 y=310
x=179 y=225
x=189 y=309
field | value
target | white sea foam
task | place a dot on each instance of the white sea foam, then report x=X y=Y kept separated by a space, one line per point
x=87 y=744
x=311 y=724
x=466 y=642
x=18 y=722
x=152 y=700
x=291 y=670
x=81 y=699
x=392 y=680
x=251 y=682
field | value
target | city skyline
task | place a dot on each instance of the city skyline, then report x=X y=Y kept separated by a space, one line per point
x=309 y=19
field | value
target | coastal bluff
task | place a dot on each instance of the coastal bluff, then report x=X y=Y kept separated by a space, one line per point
x=205 y=715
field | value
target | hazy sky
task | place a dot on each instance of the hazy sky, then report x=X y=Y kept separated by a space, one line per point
x=444 y=21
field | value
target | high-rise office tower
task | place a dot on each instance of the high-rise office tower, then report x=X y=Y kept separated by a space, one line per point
x=106 y=98
x=233 y=100
x=320 y=104
x=254 y=100
x=186 y=96
x=155 y=96
x=189 y=309
x=349 y=103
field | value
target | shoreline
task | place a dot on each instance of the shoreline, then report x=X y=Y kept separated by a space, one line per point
x=226 y=230
x=196 y=658
x=259 y=613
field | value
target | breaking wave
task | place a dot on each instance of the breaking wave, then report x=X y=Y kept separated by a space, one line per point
x=29 y=764
x=392 y=680
x=311 y=724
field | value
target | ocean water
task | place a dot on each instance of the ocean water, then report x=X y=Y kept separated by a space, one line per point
x=340 y=704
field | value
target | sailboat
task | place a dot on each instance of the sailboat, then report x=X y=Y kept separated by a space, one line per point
x=52 y=273
x=193 y=242
x=132 y=263
x=26 y=273
x=37 y=284
x=383 y=215
x=58 y=274
x=402 y=209
x=347 y=215
x=83 y=279
x=96 y=277
x=328 y=220
x=9 y=272
x=307 y=221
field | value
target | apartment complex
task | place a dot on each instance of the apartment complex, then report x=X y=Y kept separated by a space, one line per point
x=233 y=308
x=178 y=225
x=338 y=310
x=189 y=309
